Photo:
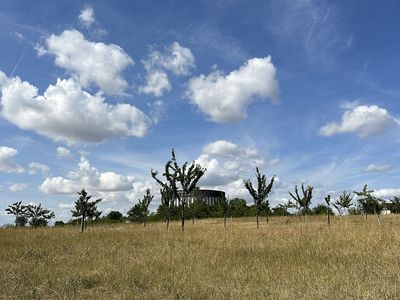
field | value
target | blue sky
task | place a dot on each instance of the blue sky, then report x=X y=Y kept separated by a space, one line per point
x=95 y=94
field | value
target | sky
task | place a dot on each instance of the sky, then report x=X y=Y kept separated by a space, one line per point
x=95 y=94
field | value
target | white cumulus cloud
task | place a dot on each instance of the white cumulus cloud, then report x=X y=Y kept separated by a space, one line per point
x=363 y=120
x=225 y=98
x=87 y=177
x=35 y=167
x=18 y=187
x=157 y=83
x=89 y=62
x=226 y=162
x=63 y=152
x=217 y=174
x=86 y=16
x=66 y=205
x=65 y=112
x=176 y=59
x=227 y=148
x=7 y=163
x=387 y=193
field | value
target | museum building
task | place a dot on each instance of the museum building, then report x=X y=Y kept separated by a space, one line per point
x=209 y=197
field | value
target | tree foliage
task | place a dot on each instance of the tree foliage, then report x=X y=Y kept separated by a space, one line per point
x=136 y=214
x=224 y=204
x=86 y=209
x=394 y=205
x=344 y=202
x=167 y=198
x=140 y=211
x=368 y=203
x=38 y=215
x=59 y=223
x=145 y=203
x=199 y=209
x=302 y=203
x=20 y=212
x=260 y=195
x=114 y=215
x=184 y=178
x=321 y=209
x=238 y=207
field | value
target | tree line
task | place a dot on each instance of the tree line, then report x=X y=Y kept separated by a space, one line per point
x=179 y=181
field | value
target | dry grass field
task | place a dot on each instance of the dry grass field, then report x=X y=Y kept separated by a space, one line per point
x=354 y=259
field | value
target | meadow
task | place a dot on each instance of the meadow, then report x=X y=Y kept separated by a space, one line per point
x=285 y=259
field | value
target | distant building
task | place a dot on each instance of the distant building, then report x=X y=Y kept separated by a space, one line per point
x=209 y=197
x=386 y=212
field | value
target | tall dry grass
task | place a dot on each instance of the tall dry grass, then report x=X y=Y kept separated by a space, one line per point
x=354 y=259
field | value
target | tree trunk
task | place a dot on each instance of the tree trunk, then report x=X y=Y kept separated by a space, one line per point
x=168 y=219
x=183 y=217
x=144 y=221
x=83 y=223
x=378 y=217
x=224 y=220
x=329 y=218
x=257 y=220
x=267 y=218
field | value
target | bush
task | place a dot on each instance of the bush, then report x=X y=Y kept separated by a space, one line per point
x=320 y=209
x=38 y=222
x=114 y=216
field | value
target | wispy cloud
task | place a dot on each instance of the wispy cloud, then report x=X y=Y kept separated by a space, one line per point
x=314 y=24
x=377 y=168
x=208 y=38
x=18 y=187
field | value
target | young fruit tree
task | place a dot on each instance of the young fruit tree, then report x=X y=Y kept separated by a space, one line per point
x=284 y=208
x=343 y=203
x=261 y=194
x=369 y=203
x=328 y=203
x=85 y=209
x=181 y=178
x=144 y=203
x=167 y=197
x=197 y=208
x=136 y=214
x=394 y=205
x=302 y=203
x=38 y=215
x=224 y=203
x=20 y=212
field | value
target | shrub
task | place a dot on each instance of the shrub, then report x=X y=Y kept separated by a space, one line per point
x=114 y=216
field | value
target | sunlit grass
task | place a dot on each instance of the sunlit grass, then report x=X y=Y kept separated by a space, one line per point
x=354 y=259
